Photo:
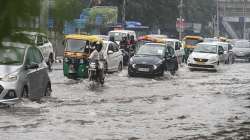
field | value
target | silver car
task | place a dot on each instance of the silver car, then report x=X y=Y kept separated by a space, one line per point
x=23 y=73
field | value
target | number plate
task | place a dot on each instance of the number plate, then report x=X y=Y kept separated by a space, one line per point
x=201 y=63
x=143 y=69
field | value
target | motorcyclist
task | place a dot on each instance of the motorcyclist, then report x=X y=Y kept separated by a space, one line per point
x=124 y=43
x=97 y=56
x=132 y=42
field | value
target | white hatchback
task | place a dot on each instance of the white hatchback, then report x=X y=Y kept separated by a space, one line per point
x=113 y=57
x=206 y=56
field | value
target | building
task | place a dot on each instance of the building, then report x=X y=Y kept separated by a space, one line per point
x=234 y=18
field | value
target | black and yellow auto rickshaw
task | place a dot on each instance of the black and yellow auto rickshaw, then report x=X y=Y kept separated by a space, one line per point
x=76 y=53
x=189 y=43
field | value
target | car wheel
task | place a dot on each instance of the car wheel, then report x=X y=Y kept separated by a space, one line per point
x=48 y=90
x=172 y=72
x=25 y=93
x=120 y=66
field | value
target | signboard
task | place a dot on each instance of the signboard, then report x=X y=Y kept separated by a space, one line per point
x=180 y=24
x=80 y=23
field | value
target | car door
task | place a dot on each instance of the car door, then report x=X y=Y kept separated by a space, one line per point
x=222 y=55
x=110 y=57
x=170 y=58
x=116 y=56
x=32 y=73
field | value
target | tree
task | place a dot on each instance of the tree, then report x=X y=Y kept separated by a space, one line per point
x=12 y=12
x=67 y=10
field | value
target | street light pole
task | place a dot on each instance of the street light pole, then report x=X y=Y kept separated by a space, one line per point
x=124 y=12
x=218 y=19
x=181 y=20
x=244 y=22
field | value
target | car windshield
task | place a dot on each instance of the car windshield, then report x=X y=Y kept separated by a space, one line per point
x=75 y=45
x=117 y=35
x=206 y=48
x=192 y=42
x=242 y=44
x=11 y=55
x=156 y=50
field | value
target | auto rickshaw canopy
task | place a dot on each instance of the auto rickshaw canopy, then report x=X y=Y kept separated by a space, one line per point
x=90 y=38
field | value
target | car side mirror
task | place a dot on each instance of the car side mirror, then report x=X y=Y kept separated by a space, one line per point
x=110 y=52
x=221 y=52
x=31 y=66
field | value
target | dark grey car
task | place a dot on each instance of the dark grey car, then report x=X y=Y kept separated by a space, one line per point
x=23 y=73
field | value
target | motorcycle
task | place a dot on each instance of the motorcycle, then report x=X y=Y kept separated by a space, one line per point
x=96 y=75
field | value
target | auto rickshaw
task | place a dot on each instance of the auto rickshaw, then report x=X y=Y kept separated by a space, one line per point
x=76 y=53
x=189 y=43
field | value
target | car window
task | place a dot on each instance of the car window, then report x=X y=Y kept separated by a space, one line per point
x=230 y=47
x=29 y=57
x=110 y=47
x=39 y=40
x=38 y=58
x=115 y=47
x=45 y=39
x=221 y=48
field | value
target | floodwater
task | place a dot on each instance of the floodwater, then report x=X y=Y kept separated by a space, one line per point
x=190 y=105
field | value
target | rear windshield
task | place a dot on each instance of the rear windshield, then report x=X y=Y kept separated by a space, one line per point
x=192 y=42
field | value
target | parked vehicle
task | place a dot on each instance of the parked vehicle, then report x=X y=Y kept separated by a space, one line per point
x=23 y=73
x=119 y=34
x=177 y=45
x=76 y=53
x=152 y=59
x=189 y=43
x=241 y=49
x=158 y=36
x=43 y=43
x=207 y=55
x=113 y=57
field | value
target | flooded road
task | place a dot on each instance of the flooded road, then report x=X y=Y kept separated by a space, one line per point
x=190 y=105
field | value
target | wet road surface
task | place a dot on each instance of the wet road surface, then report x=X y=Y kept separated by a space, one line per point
x=190 y=105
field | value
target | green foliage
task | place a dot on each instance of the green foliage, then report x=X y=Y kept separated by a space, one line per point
x=109 y=14
x=67 y=10
x=13 y=12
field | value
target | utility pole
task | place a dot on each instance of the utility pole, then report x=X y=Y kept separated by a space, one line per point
x=218 y=19
x=181 y=19
x=124 y=13
x=244 y=22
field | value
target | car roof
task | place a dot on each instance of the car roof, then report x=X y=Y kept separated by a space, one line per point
x=16 y=44
x=155 y=44
x=31 y=33
x=122 y=31
x=214 y=43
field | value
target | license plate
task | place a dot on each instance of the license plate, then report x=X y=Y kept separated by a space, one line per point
x=201 y=63
x=143 y=69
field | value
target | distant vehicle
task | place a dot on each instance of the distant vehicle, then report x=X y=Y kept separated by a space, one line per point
x=228 y=52
x=207 y=55
x=112 y=56
x=119 y=34
x=189 y=43
x=23 y=73
x=152 y=59
x=241 y=49
x=103 y=37
x=43 y=43
x=158 y=36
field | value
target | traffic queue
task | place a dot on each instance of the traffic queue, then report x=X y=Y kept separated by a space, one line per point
x=92 y=56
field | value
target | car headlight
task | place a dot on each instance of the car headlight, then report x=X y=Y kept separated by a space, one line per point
x=10 y=78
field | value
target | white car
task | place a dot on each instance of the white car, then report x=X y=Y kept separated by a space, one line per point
x=177 y=45
x=206 y=56
x=113 y=57
x=42 y=42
